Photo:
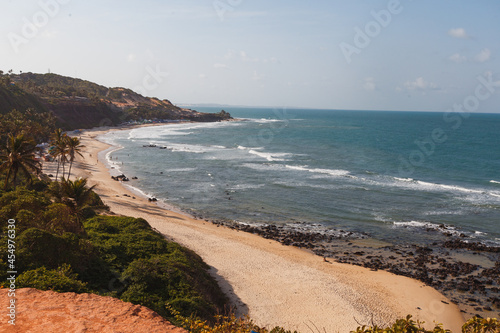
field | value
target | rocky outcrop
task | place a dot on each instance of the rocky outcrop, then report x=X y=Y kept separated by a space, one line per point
x=47 y=311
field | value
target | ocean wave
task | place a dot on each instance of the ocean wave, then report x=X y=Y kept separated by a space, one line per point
x=330 y=172
x=271 y=157
x=422 y=185
x=494 y=182
x=445 y=229
x=264 y=120
x=113 y=166
x=182 y=169
x=197 y=149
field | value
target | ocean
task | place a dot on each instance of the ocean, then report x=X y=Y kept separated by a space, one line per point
x=396 y=177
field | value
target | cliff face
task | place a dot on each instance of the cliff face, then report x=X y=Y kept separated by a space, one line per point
x=47 y=311
x=82 y=104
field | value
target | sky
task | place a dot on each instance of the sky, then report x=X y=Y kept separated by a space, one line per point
x=420 y=55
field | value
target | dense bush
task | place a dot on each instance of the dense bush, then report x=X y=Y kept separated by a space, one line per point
x=62 y=279
x=480 y=325
x=152 y=270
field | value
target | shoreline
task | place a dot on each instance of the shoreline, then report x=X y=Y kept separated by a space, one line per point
x=273 y=283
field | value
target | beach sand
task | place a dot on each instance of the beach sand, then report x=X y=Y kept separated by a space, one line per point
x=272 y=283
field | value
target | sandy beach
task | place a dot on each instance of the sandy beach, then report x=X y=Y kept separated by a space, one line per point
x=272 y=283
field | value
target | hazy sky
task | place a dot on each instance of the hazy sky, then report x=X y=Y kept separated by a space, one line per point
x=349 y=54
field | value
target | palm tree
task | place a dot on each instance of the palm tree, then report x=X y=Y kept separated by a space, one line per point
x=74 y=147
x=74 y=194
x=59 y=149
x=19 y=155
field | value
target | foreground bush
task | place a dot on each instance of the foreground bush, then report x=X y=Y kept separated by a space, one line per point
x=480 y=325
x=61 y=279
x=221 y=324
x=151 y=271
x=231 y=324
x=473 y=325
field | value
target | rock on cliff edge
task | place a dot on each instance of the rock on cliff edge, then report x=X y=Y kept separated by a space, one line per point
x=49 y=311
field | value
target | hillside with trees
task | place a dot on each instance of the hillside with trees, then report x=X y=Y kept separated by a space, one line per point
x=77 y=103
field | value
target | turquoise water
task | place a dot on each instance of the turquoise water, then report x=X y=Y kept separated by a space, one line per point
x=395 y=176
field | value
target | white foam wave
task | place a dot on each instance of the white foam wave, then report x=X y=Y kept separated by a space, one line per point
x=113 y=166
x=182 y=170
x=271 y=157
x=447 y=229
x=330 y=172
x=197 y=149
x=494 y=182
x=264 y=120
x=422 y=185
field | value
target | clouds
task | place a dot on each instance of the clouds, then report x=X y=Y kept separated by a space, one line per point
x=219 y=65
x=457 y=58
x=483 y=56
x=420 y=84
x=458 y=33
x=369 y=84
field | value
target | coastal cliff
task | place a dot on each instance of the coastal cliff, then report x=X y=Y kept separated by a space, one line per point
x=80 y=104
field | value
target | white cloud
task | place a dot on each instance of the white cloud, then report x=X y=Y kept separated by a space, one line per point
x=458 y=58
x=420 y=84
x=244 y=57
x=219 y=65
x=202 y=76
x=256 y=76
x=458 y=33
x=491 y=79
x=369 y=84
x=483 y=56
x=131 y=57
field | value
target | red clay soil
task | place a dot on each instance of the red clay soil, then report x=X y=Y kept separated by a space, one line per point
x=47 y=311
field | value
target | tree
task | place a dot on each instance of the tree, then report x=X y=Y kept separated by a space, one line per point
x=18 y=155
x=74 y=194
x=59 y=149
x=74 y=147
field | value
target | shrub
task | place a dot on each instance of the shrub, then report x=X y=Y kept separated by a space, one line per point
x=61 y=279
x=406 y=325
x=221 y=324
x=480 y=325
x=153 y=270
x=121 y=240
x=163 y=278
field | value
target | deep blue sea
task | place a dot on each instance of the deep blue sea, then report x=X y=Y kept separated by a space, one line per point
x=400 y=177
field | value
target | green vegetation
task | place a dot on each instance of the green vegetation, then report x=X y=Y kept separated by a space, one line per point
x=117 y=256
x=76 y=103
x=62 y=244
x=232 y=324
